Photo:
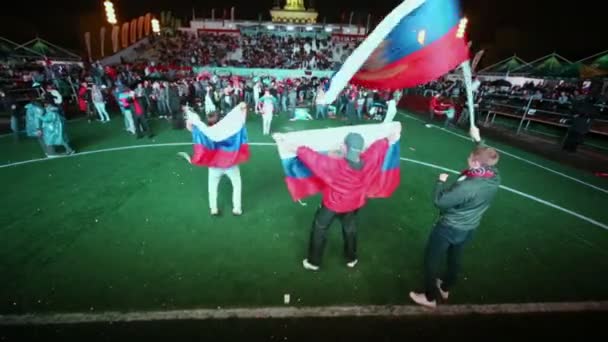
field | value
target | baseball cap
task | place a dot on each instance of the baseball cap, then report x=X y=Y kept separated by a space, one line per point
x=354 y=146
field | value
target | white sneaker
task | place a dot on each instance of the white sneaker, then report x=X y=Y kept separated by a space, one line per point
x=236 y=212
x=309 y=266
x=352 y=264
x=185 y=156
x=444 y=294
x=420 y=299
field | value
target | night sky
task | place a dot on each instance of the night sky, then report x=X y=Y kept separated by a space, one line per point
x=529 y=28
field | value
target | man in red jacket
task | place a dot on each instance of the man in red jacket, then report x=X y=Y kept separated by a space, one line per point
x=347 y=181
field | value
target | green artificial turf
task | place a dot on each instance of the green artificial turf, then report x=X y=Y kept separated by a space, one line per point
x=129 y=230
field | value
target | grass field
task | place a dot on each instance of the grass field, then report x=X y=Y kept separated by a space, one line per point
x=128 y=229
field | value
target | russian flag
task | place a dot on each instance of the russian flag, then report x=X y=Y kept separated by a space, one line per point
x=302 y=183
x=223 y=145
x=419 y=41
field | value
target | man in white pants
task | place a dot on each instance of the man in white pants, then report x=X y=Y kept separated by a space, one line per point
x=216 y=174
x=100 y=103
x=268 y=104
x=257 y=89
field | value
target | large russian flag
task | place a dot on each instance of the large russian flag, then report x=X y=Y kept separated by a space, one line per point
x=302 y=183
x=419 y=41
x=223 y=145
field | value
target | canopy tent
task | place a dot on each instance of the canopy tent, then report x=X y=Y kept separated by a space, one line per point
x=48 y=50
x=601 y=62
x=572 y=70
x=597 y=61
x=506 y=66
x=546 y=66
x=580 y=70
x=12 y=50
x=6 y=47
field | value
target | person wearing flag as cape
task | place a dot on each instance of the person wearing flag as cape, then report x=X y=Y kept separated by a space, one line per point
x=221 y=148
x=461 y=206
x=346 y=180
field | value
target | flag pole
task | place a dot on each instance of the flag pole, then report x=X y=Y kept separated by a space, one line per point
x=356 y=60
x=468 y=83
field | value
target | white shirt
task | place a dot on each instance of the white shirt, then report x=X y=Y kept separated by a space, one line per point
x=57 y=98
x=391 y=111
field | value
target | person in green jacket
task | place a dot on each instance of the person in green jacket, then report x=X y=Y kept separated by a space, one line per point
x=53 y=130
x=461 y=206
x=33 y=123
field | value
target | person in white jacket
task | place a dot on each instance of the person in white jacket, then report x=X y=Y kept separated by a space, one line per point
x=209 y=104
x=257 y=89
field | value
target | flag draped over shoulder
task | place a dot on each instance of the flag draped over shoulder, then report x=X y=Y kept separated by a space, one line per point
x=419 y=41
x=223 y=145
x=300 y=180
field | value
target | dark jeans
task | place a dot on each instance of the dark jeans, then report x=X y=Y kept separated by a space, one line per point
x=144 y=104
x=320 y=227
x=573 y=139
x=443 y=241
x=141 y=125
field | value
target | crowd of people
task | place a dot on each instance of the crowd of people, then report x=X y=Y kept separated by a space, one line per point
x=580 y=107
x=144 y=91
x=553 y=96
x=256 y=51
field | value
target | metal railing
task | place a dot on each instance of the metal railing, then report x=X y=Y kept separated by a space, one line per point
x=531 y=112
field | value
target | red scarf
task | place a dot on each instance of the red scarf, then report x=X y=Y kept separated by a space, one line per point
x=138 y=109
x=481 y=172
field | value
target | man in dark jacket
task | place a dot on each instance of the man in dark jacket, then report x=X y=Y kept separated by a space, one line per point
x=580 y=125
x=461 y=205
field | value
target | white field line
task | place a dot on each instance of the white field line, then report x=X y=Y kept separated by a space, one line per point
x=531 y=197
